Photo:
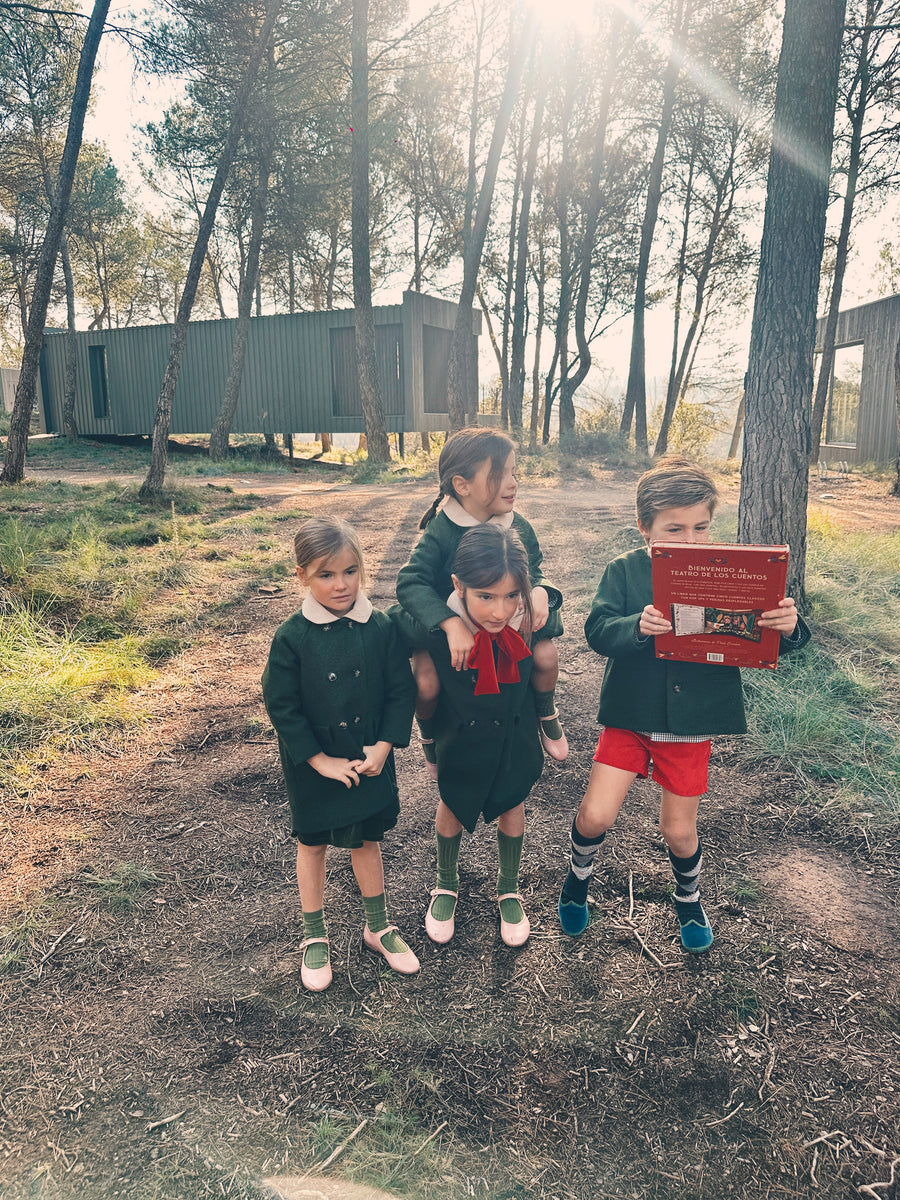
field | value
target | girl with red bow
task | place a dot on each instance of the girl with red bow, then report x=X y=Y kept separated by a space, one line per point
x=485 y=726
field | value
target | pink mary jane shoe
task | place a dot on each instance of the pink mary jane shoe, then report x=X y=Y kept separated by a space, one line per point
x=440 y=931
x=403 y=961
x=556 y=748
x=314 y=979
x=516 y=934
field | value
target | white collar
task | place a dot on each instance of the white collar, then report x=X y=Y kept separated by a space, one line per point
x=454 y=601
x=455 y=512
x=319 y=615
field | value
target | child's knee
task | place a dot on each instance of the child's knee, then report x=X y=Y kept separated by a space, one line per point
x=545 y=654
x=427 y=682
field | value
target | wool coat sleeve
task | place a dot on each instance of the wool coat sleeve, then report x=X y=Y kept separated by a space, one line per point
x=395 y=725
x=424 y=583
x=282 y=685
x=612 y=624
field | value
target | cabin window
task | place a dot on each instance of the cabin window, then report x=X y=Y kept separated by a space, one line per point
x=99 y=390
x=842 y=416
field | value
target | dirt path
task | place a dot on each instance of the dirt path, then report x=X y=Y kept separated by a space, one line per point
x=167 y=1050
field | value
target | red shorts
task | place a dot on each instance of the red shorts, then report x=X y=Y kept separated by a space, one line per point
x=680 y=767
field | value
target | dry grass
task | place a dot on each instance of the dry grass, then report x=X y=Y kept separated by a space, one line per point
x=160 y=1046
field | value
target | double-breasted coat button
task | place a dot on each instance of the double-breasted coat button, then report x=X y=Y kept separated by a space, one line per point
x=676 y=687
x=326 y=627
x=331 y=676
x=342 y=724
x=356 y=720
x=471 y=722
x=498 y=722
x=356 y=674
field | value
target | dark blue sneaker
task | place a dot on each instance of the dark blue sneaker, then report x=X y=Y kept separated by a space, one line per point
x=696 y=931
x=572 y=916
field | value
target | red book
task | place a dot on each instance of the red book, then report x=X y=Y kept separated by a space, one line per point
x=714 y=595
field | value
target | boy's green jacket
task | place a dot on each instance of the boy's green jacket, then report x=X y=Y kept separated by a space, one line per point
x=652 y=695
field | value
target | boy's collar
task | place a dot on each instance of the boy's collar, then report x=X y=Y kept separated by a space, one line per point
x=454 y=601
x=455 y=512
x=319 y=615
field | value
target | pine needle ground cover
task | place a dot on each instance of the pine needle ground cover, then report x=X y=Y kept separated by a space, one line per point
x=157 y=1042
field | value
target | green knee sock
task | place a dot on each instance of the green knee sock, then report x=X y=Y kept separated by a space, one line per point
x=443 y=907
x=314 y=926
x=426 y=734
x=545 y=707
x=509 y=850
x=377 y=919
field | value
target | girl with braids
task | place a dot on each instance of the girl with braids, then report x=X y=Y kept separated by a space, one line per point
x=340 y=695
x=485 y=725
x=477 y=486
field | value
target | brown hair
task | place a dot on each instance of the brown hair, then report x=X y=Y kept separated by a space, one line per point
x=463 y=453
x=673 y=482
x=324 y=537
x=488 y=552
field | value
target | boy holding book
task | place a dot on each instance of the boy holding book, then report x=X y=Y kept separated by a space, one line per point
x=656 y=710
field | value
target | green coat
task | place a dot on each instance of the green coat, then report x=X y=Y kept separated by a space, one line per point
x=424 y=583
x=488 y=749
x=334 y=688
x=652 y=695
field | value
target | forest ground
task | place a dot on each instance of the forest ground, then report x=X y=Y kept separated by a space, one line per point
x=165 y=1048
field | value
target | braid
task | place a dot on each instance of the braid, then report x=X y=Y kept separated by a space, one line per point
x=432 y=512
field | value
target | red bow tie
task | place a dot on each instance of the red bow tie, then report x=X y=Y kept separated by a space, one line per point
x=511 y=649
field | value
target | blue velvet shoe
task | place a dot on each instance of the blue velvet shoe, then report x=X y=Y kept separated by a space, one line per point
x=696 y=931
x=572 y=916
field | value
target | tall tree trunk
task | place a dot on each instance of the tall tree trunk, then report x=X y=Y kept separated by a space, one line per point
x=511 y=274
x=517 y=350
x=536 y=365
x=153 y=484
x=563 y=190
x=636 y=388
x=221 y=430
x=895 y=491
x=774 y=469
x=460 y=345
x=379 y=449
x=738 y=428
x=20 y=421
x=69 y=423
x=570 y=383
x=662 y=440
x=857 y=116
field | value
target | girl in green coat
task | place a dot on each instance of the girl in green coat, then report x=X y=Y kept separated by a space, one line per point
x=477 y=471
x=340 y=694
x=485 y=725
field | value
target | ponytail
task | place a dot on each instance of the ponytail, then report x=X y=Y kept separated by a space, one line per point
x=432 y=512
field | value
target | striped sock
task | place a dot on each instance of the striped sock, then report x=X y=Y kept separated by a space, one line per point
x=581 y=866
x=687 y=876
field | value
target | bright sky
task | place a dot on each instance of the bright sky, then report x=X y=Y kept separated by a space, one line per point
x=122 y=102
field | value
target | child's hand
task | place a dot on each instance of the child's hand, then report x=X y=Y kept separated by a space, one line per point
x=376 y=757
x=460 y=641
x=344 y=770
x=653 y=623
x=783 y=618
x=540 y=607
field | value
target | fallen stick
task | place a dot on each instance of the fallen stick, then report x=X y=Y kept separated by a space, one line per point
x=165 y=1121
x=722 y=1120
x=64 y=934
x=344 y=1144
